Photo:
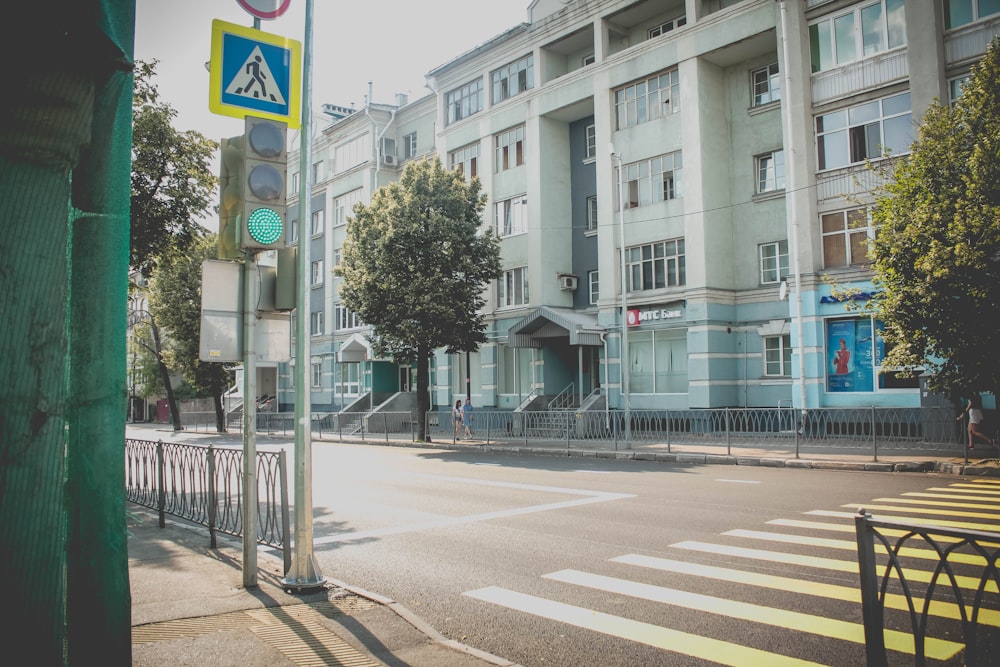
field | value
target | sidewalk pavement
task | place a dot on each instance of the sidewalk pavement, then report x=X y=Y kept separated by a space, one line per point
x=189 y=605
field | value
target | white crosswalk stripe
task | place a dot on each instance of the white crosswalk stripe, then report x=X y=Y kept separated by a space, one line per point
x=807 y=546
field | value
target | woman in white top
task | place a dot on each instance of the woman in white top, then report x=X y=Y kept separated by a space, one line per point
x=974 y=408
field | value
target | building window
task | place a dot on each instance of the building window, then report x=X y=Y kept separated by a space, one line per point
x=347 y=378
x=513 y=78
x=864 y=132
x=956 y=86
x=773 y=261
x=765 y=85
x=317 y=374
x=317 y=273
x=960 y=12
x=778 y=356
x=845 y=237
x=647 y=100
x=511 y=216
x=464 y=101
x=857 y=33
x=410 y=146
x=316 y=323
x=667 y=26
x=343 y=206
x=770 y=171
x=655 y=265
x=854 y=351
x=336 y=257
x=317 y=172
x=590 y=147
x=466 y=159
x=658 y=362
x=587 y=60
x=295 y=184
x=509 y=147
x=512 y=288
x=594 y=283
x=592 y=213
x=318 y=222
x=351 y=154
x=654 y=180
x=344 y=318
x=293 y=232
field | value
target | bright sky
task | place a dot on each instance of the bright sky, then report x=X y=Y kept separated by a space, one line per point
x=391 y=43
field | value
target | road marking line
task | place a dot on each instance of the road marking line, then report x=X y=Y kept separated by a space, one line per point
x=959 y=487
x=847 y=545
x=938 y=503
x=790 y=585
x=924 y=510
x=589 y=497
x=943 y=523
x=937 y=649
x=724 y=653
x=952 y=496
x=818 y=562
x=739 y=481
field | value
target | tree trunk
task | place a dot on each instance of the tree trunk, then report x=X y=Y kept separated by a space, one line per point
x=423 y=402
x=175 y=415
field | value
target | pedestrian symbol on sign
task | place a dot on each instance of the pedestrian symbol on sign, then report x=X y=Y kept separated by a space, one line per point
x=254 y=80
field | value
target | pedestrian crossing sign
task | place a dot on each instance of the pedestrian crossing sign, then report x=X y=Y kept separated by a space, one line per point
x=254 y=73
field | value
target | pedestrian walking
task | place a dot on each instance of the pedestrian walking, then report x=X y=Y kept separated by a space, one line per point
x=467 y=418
x=974 y=409
x=456 y=417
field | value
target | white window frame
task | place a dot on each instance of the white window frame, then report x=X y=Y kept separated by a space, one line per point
x=512 y=79
x=654 y=180
x=642 y=101
x=773 y=264
x=842 y=37
x=464 y=101
x=317 y=172
x=854 y=227
x=593 y=287
x=465 y=158
x=777 y=356
x=844 y=137
x=352 y=153
x=316 y=323
x=770 y=171
x=410 y=146
x=971 y=9
x=765 y=85
x=343 y=206
x=508 y=148
x=658 y=265
x=590 y=142
x=318 y=221
x=316 y=374
x=666 y=26
x=511 y=216
x=512 y=288
x=317 y=273
x=344 y=318
x=592 y=214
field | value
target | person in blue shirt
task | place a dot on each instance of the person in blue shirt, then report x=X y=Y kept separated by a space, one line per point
x=467 y=418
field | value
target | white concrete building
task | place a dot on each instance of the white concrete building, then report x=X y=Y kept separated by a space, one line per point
x=737 y=133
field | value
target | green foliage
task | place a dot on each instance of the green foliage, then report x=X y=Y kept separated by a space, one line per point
x=937 y=252
x=416 y=261
x=175 y=303
x=172 y=180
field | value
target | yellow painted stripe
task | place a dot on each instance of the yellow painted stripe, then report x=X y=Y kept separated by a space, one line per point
x=967 y=488
x=705 y=648
x=936 y=649
x=912 y=510
x=940 y=503
x=986 y=481
x=954 y=496
x=943 y=523
x=848 y=545
x=791 y=585
x=849 y=528
x=817 y=562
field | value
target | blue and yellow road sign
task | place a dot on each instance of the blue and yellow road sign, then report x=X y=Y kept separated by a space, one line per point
x=254 y=73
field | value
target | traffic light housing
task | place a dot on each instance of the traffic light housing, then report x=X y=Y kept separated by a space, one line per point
x=264 y=170
x=230 y=196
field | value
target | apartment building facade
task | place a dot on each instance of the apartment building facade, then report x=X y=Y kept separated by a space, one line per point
x=711 y=152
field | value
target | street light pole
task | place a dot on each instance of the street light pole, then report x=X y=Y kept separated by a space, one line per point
x=623 y=355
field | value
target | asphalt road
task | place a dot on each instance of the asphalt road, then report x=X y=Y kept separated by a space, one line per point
x=569 y=561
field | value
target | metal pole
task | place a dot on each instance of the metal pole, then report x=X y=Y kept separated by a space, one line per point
x=249 y=423
x=623 y=356
x=304 y=573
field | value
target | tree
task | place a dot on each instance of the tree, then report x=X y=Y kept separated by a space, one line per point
x=937 y=251
x=415 y=264
x=175 y=305
x=172 y=181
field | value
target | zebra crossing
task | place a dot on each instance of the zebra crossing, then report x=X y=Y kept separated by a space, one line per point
x=817 y=560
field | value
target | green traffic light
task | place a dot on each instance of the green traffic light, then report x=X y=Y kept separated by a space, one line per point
x=265 y=226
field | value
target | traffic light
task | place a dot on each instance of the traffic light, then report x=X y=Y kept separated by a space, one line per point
x=230 y=196
x=265 y=158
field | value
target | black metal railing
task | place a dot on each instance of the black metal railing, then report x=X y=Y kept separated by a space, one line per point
x=951 y=601
x=204 y=485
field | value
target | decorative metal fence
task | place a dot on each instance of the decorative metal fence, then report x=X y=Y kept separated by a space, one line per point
x=960 y=598
x=870 y=429
x=204 y=485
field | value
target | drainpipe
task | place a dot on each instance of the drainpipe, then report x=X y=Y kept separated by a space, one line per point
x=792 y=187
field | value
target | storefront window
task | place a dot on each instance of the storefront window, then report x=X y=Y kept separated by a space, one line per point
x=855 y=350
x=658 y=362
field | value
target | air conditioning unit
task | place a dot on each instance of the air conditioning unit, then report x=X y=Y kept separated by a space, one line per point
x=567 y=282
x=389 y=160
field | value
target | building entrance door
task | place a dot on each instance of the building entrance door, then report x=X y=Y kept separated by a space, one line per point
x=406 y=378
